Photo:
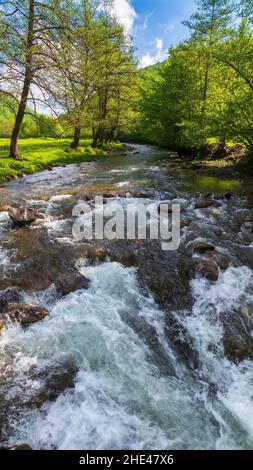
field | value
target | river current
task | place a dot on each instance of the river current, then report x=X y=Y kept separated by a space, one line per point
x=101 y=371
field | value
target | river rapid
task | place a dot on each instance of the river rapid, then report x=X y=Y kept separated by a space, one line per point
x=155 y=353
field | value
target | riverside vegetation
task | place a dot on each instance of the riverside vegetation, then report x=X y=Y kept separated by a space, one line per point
x=197 y=102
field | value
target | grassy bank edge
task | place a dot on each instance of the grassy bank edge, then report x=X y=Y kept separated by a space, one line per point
x=41 y=154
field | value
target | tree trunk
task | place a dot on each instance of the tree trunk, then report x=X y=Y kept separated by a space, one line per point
x=98 y=137
x=110 y=136
x=76 y=140
x=26 y=85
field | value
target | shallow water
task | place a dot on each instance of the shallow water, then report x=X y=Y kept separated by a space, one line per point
x=121 y=395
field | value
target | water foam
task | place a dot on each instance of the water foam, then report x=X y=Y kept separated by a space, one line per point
x=120 y=399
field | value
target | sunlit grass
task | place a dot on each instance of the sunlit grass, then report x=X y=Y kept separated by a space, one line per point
x=39 y=154
x=229 y=143
x=210 y=183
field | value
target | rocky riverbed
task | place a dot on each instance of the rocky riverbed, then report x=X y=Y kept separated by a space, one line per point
x=119 y=344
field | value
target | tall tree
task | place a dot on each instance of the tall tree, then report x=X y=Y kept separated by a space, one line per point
x=117 y=73
x=73 y=84
x=29 y=29
x=209 y=25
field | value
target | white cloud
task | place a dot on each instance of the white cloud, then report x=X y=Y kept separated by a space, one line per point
x=147 y=60
x=125 y=12
x=169 y=28
x=145 y=22
x=159 y=55
x=158 y=42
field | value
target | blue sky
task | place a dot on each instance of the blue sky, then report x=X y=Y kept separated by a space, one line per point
x=155 y=25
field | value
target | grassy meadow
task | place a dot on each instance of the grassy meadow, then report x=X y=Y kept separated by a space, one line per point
x=39 y=154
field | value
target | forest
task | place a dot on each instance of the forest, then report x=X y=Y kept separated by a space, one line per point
x=68 y=69
x=71 y=59
x=203 y=92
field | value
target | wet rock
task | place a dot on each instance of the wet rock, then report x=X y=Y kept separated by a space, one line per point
x=166 y=274
x=221 y=259
x=241 y=216
x=70 y=281
x=244 y=256
x=2 y=325
x=199 y=245
x=128 y=258
x=136 y=194
x=96 y=253
x=9 y=296
x=148 y=334
x=23 y=313
x=4 y=208
x=38 y=260
x=237 y=338
x=205 y=203
x=183 y=345
x=185 y=222
x=20 y=447
x=56 y=380
x=22 y=216
x=38 y=222
x=206 y=268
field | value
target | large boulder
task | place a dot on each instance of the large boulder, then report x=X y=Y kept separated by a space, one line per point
x=24 y=314
x=21 y=216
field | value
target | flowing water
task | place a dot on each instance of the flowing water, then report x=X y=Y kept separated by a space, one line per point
x=101 y=371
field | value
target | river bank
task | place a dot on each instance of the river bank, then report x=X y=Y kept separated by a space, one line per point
x=41 y=154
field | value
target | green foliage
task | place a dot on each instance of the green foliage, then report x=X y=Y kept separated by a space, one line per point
x=72 y=57
x=205 y=89
x=39 y=154
x=32 y=126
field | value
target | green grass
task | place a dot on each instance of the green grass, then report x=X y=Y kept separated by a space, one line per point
x=39 y=154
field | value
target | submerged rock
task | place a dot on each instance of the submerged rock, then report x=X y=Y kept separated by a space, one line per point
x=206 y=268
x=24 y=314
x=96 y=253
x=22 y=216
x=9 y=296
x=205 y=203
x=237 y=337
x=221 y=259
x=70 y=281
x=199 y=245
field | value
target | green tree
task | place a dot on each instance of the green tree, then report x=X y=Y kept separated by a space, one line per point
x=209 y=25
x=30 y=29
